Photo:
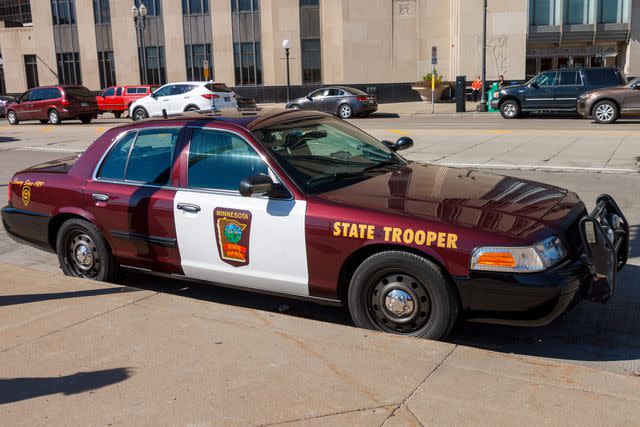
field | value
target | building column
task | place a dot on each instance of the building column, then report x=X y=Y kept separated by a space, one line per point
x=88 y=48
x=222 y=42
x=332 y=41
x=44 y=43
x=632 y=60
x=280 y=22
x=174 y=40
x=16 y=42
x=125 y=45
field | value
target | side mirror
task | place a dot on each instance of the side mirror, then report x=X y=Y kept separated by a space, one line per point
x=256 y=185
x=309 y=98
x=153 y=95
x=402 y=143
x=534 y=85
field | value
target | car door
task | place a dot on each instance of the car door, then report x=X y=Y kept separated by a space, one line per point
x=160 y=100
x=33 y=110
x=131 y=196
x=631 y=103
x=254 y=242
x=107 y=99
x=540 y=93
x=22 y=105
x=315 y=100
x=331 y=99
x=180 y=97
x=568 y=89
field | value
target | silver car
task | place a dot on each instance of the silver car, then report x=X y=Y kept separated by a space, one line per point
x=342 y=101
x=4 y=100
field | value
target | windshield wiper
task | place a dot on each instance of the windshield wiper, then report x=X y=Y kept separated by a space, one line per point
x=335 y=177
x=382 y=164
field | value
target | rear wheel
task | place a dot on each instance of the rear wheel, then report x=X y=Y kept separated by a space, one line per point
x=83 y=252
x=605 y=112
x=294 y=107
x=86 y=119
x=510 y=109
x=12 y=118
x=117 y=114
x=54 y=117
x=345 y=111
x=192 y=108
x=402 y=293
x=139 y=114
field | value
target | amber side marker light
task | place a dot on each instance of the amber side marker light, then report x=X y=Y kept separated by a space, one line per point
x=499 y=259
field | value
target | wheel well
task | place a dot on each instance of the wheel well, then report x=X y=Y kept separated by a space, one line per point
x=604 y=99
x=49 y=110
x=56 y=222
x=191 y=106
x=355 y=259
x=509 y=98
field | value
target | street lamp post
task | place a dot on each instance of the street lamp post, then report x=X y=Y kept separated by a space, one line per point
x=139 y=20
x=286 y=44
x=483 y=100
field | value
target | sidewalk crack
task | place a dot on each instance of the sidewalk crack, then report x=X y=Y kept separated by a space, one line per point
x=444 y=359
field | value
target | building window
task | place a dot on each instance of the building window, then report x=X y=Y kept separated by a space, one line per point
x=578 y=12
x=310 y=41
x=69 y=68
x=106 y=68
x=156 y=68
x=195 y=7
x=154 y=7
x=101 y=12
x=63 y=12
x=15 y=13
x=247 y=55
x=613 y=11
x=31 y=70
x=544 y=12
x=195 y=57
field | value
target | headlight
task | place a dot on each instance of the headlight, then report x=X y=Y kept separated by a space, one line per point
x=496 y=95
x=528 y=259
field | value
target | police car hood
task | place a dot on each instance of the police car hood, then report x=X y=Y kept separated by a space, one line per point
x=462 y=197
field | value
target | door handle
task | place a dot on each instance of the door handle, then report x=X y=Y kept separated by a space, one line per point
x=187 y=207
x=100 y=197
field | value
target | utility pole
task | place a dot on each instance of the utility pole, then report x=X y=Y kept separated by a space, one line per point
x=483 y=100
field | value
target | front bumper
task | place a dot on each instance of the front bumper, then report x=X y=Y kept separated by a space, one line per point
x=582 y=108
x=536 y=299
x=495 y=103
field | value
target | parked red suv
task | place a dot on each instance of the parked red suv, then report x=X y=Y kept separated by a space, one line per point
x=117 y=99
x=53 y=104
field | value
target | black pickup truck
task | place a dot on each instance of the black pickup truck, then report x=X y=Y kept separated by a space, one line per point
x=553 y=91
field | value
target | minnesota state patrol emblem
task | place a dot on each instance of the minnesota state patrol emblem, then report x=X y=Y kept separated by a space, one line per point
x=26 y=195
x=232 y=235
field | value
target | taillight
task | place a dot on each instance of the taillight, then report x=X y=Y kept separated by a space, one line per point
x=362 y=98
x=210 y=95
x=65 y=102
x=9 y=198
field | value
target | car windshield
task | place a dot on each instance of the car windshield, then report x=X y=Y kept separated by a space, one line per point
x=324 y=153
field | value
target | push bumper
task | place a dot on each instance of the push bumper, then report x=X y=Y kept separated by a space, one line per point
x=27 y=227
x=536 y=299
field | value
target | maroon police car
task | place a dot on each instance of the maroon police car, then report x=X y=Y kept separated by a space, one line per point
x=304 y=204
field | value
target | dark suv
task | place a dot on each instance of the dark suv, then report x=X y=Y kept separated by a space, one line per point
x=553 y=91
x=53 y=104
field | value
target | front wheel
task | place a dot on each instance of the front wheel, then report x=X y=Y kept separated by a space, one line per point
x=510 y=109
x=404 y=294
x=44 y=121
x=54 y=117
x=605 y=112
x=117 y=114
x=12 y=118
x=345 y=111
x=294 y=107
x=83 y=252
x=139 y=114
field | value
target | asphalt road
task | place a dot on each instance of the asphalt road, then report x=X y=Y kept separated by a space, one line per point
x=606 y=336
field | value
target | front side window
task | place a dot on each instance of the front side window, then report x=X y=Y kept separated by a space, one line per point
x=545 y=79
x=220 y=160
x=108 y=92
x=164 y=91
x=25 y=96
x=152 y=156
x=322 y=154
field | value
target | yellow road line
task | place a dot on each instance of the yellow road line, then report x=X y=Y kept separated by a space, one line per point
x=46 y=129
x=100 y=130
x=500 y=131
x=399 y=132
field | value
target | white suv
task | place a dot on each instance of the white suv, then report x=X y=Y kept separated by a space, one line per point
x=175 y=98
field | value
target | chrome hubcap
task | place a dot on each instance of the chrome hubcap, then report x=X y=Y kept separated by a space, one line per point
x=139 y=114
x=12 y=117
x=509 y=110
x=83 y=255
x=345 y=111
x=399 y=303
x=53 y=117
x=604 y=112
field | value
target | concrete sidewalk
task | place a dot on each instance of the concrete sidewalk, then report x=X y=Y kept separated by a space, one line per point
x=408 y=109
x=76 y=352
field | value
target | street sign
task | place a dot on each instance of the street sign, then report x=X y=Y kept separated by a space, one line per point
x=434 y=55
x=205 y=69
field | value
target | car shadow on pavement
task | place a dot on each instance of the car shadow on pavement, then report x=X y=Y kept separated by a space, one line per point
x=6 y=300
x=18 y=389
x=381 y=116
x=8 y=139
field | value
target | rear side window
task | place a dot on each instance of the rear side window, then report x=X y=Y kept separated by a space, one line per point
x=142 y=90
x=152 y=156
x=131 y=91
x=218 y=87
x=78 y=92
x=603 y=77
x=570 y=78
x=220 y=160
x=334 y=92
x=114 y=164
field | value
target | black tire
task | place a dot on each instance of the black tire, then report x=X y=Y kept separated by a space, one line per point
x=605 y=112
x=364 y=115
x=54 y=117
x=44 y=122
x=139 y=114
x=117 y=114
x=83 y=252
x=12 y=118
x=345 y=111
x=433 y=303
x=86 y=120
x=192 y=108
x=510 y=109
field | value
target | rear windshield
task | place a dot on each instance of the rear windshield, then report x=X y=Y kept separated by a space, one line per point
x=218 y=87
x=605 y=77
x=78 y=92
x=355 y=91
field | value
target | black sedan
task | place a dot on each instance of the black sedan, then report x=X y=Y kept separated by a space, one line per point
x=342 y=101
